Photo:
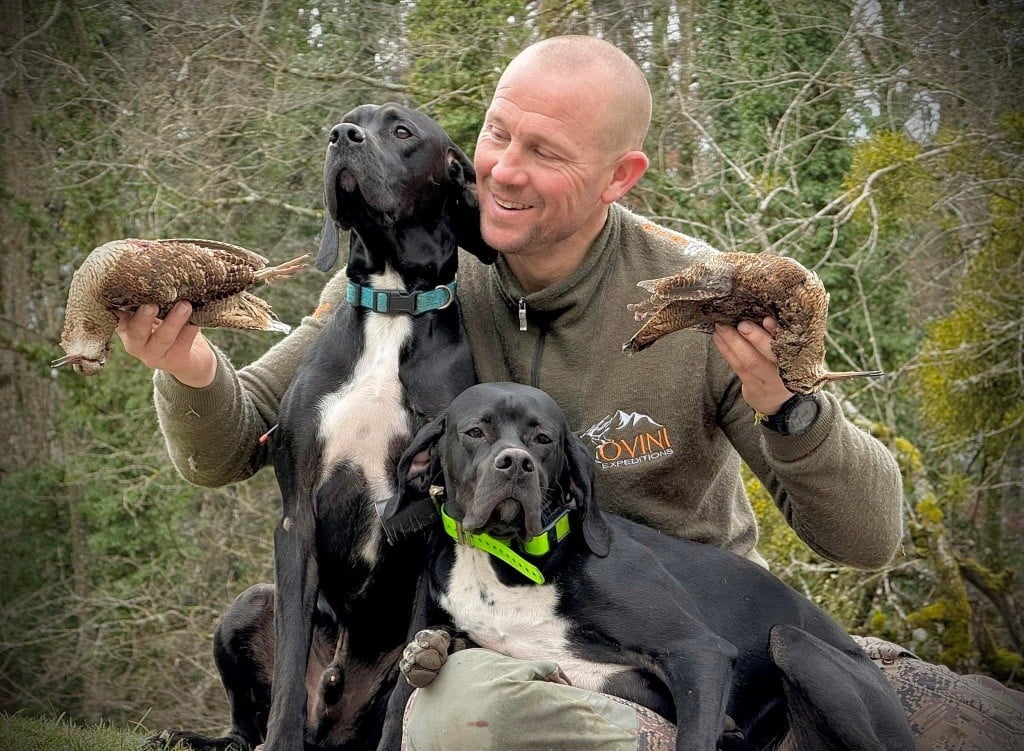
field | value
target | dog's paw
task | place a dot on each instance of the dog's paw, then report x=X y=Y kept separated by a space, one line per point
x=424 y=657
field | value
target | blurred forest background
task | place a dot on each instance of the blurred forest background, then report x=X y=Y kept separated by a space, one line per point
x=878 y=142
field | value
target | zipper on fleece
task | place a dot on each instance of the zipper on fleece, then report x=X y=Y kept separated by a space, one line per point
x=538 y=353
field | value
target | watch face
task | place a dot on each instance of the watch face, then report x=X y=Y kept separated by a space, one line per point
x=802 y=416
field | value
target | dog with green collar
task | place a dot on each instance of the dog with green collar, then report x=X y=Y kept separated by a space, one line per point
x=694 y=633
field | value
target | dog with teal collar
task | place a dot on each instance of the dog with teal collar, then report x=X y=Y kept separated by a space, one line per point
x=310 y=661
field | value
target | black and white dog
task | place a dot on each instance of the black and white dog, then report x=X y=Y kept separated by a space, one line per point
x=313 y=659
x=693 y=632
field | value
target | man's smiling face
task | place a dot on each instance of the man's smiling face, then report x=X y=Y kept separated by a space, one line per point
x=542 y=162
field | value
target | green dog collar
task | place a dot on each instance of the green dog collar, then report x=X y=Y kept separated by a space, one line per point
x=399 y=301
x=539 y=545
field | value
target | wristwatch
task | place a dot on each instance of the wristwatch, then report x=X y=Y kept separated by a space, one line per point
x=796 y=416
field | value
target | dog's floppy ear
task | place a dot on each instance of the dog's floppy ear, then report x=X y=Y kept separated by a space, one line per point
x=419 y=466
x=466 y=206
x=328 y=245
x=580 y=485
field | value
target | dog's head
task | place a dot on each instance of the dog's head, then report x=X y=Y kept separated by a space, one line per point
x=509 y=463
x=388 y=167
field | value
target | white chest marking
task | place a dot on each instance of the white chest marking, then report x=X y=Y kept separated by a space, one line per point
x=515 y=621
x=359 y=421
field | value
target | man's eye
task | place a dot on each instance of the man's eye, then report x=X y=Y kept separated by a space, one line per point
x=543 y=438
x=402 y=132
x=475 y=433
x=497 y=134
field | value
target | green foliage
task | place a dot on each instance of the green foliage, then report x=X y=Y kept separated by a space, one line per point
x=887 y=164
x=131 y=501
x=34 y=536
x=22 y=732
x=210 y=120
x=949 y=614
x=451 y=80
x=767 y=81
x=968 y=376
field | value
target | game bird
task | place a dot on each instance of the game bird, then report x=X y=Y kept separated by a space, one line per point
x=124 y=274
x=732 y=287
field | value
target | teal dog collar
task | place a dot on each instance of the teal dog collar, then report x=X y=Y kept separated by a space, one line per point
x=398 y=301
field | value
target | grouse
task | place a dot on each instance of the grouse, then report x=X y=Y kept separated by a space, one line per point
x=732 y=287
x=124 y=274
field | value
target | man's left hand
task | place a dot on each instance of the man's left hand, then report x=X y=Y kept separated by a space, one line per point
x=748 y=350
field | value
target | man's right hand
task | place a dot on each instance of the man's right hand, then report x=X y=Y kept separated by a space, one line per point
x=172 y=344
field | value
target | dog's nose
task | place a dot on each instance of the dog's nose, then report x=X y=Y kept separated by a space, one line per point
x=351 y=132
x=514 y=459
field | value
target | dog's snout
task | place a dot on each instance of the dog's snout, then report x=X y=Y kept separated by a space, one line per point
x=349 y=132
x=514 y=460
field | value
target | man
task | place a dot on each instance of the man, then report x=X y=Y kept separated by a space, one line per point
x=560 y=145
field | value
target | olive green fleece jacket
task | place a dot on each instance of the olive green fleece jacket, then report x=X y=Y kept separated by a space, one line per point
x=668 y=426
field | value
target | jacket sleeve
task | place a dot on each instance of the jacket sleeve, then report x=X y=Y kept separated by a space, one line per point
x=838 y=487
x=212 y=433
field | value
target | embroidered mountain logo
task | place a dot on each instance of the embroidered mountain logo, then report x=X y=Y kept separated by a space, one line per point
x=628 y=438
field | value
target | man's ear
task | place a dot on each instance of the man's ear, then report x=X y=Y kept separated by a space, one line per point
x=627 y=172
x=419 y=466
x=580 y=484
x=465 y=211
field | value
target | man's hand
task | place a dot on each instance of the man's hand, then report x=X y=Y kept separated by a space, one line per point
x=748 y=350
x=171 y=344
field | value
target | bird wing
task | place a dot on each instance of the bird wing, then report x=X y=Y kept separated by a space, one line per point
x=257 y=261
x=701 y=281
x=162 y=272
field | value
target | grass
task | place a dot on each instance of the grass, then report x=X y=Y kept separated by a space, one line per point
x=23 y=733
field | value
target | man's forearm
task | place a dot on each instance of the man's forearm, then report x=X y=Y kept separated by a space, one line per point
x=212 y=433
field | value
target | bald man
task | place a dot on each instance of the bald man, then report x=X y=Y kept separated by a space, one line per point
x=560 y=145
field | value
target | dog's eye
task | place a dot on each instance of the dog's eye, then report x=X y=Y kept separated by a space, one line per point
x=543 y=438
x=475 y=433
x=402 y=132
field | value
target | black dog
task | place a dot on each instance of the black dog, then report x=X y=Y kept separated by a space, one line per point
x=388 y=361
x=691 y=631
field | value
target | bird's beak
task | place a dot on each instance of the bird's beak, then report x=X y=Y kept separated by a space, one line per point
x=82 y=365
x=66 y=360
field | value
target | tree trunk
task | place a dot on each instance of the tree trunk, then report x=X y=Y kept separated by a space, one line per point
x=29 y=399
x=26 y=394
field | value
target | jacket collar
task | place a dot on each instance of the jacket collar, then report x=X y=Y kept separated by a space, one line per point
x=580 y=286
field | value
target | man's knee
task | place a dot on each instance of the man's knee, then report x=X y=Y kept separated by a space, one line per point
x=473 y=680
x=481 y=700
x=948 y=711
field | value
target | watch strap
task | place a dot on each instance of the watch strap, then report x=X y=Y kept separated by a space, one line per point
x=780 y=423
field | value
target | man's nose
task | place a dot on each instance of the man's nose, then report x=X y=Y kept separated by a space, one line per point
x=509 y=167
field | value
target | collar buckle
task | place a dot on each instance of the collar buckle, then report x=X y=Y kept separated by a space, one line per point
x=395 y=301
x=550 y=536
